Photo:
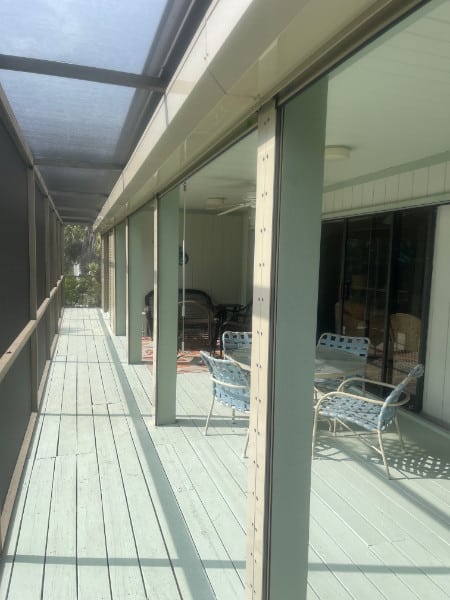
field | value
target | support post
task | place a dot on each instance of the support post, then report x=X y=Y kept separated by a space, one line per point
x=105 y=273
x=166 y=308
x=287 y=247
x=120 y=280
x=135 y=294
x=112 y=277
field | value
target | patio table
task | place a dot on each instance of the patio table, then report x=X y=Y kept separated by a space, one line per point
x=330 y=363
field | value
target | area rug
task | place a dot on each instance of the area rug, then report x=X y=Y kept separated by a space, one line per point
x=188 y=361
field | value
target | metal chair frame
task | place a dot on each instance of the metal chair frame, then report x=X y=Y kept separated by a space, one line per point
x=231 y=387
x=368 y=411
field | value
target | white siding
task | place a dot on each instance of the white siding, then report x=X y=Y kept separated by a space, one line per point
x=216 y=255
x=423 y=185
x=436 y=401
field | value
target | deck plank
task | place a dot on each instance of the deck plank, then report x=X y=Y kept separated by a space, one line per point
x=322 y=582
x=156 y=565
x=124 y=569
x=92 y=562
x=161 y=511
x=67 y=438
x=60 y=576
x=49 y=434
x=28 y=568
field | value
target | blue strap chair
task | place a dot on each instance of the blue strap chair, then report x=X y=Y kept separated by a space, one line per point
x=234 y=340
x=370 y=413
x=231 y=387
x=359 y=346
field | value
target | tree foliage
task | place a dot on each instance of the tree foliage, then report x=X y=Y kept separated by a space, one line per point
x=83 y=247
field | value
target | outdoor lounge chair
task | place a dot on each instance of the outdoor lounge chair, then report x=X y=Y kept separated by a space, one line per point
x=231 y=387
x=368 y=412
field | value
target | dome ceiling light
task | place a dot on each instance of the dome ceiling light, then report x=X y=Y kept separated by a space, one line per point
x=337 y=153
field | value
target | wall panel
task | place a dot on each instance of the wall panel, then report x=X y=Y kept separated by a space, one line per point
x=216 y=256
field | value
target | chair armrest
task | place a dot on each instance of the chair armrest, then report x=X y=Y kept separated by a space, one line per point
x=365 y=380
x=365 y=399
x=230 y=385
x=350 y=397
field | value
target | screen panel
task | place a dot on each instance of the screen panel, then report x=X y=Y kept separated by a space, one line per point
x=15 y=411
x=14 y=256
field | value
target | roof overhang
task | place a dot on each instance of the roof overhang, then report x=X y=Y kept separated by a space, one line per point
x=244 y=54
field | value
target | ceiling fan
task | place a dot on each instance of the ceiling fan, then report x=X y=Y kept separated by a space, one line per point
x=249 y=201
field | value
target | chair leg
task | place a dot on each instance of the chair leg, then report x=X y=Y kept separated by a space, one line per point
x=209 y=416
x=400 y=437
x=314 y=435
x=244 y=455
x=380 y=441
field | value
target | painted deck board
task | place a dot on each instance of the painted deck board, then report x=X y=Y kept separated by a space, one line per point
x=60 y=575
x=111 y=507
x=29 y=560
x=92 y=561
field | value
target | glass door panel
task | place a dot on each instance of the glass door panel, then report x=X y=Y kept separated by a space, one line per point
x=366 y=284
x=409 y=267
x=329 y=306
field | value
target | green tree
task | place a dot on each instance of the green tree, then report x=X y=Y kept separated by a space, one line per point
x=82 y=246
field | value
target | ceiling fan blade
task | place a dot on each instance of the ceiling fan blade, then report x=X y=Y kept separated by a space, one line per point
x=233 y=208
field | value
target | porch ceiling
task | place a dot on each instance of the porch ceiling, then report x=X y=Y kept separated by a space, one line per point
x=389 y=104
x=83 y=80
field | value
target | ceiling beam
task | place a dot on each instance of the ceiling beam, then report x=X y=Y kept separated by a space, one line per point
x=73 y=209
x=78 y=164
x=71 y=71
x=77 y=194
x=75 y=219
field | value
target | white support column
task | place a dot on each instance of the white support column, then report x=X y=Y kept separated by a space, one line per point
x=166 y=308
x=135 y=293
x=119 y=325
x=287 y=248
x=105 y=273
x=112 y=277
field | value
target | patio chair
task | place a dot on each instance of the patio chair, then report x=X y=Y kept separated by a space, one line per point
x=237 y=319
x=231 y=387
x=233 y=340
x=349 y=343
x=355 y=345
x=369 y=412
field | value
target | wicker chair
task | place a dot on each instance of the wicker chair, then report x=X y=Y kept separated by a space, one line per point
x=231 y=387
x=371 y=413
x=196 y=326
x=405 y=340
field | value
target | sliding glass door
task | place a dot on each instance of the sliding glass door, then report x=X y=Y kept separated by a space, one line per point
x=374 y=282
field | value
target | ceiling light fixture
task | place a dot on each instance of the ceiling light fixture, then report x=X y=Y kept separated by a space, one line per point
x=337 y=153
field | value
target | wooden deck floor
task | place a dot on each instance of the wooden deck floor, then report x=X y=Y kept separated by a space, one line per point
x=112 y=507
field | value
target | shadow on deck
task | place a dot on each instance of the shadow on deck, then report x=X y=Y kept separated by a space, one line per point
x=112 y=507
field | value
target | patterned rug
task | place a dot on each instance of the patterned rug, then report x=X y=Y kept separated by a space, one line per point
x=188 y=361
